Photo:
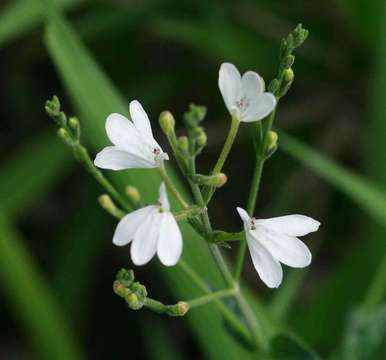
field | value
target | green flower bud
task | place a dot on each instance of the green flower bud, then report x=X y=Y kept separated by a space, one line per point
x=126 y=277
x=133 y=301
x=202 y=139
x=272 y=143
x=288 y=75
x=216 y=180
x=65 y=136
x=182 y=308
x=183 y=144
x=106 y=203
x=274 y=86
x=133 y=194
x=73 y=122
x=119 y=289
x=167 y=122
x=288 y=61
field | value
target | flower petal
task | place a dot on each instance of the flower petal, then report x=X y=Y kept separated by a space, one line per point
x=113 y=158
x=129 y=225
x=268 y=268
x=243 y=214
x=293 y=225
x=259 y=107
x=169 y=248
x=121 y=132
x=288 y=250
x=144 y=245
x=252 y=84
x=163 y=197
x=140 y=119
x=229 y=82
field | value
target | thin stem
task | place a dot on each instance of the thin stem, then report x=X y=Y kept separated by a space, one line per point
x=205 y=299
x=235 y=123
x=228 y=315
x=256 y=180
x=179 y=309
x=170 y=185
x=82 y=155
x=223 y=236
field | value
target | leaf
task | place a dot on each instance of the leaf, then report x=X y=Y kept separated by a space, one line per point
x=32 y=300
x=31 y=171
x=363 y=192
x=365 y=337
x=20 y=16
x=95 y=97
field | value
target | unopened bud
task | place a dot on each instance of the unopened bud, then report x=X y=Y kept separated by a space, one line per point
x=73 y=122
x=106 y=202
x=167 y=122
x=202 y=139
x=133 y=194
x=288 y=75
x=182 y=308
x=133 y=301
x=220 y=179
x=274 y=86
x=183 y=143
x=125 y=277
x=216 y=180
x=288 y=61
x=65 y=136
x=272 y=139
x=119 y=289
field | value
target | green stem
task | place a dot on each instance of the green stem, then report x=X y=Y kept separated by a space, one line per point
x=235 y=123
x=82 y=155
x=170 y=185
x=256 y=180
x=179 y=309
x=222 y=236
x=205 y=299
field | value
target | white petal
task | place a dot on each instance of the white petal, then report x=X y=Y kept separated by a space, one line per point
x=288 y=250
x=129 y=225
x=229 y=82
x=121 y=132
x=259 y=107
x=252 y=84
x=243 y=214
x=163 y=197
x=113 y=158
x=145 y=241
x=169 y=248
x=293 y=225
x=140 y=119
x=268 y=268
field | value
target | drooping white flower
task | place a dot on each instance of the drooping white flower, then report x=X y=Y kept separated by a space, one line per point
x=274 y=241
x=151 y=229
x=244 y=96
x=134 y=144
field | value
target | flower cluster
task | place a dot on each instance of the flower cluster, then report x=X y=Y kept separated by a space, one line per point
x=154 y=230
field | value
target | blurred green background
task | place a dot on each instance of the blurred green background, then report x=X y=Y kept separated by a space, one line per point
x=57 y=262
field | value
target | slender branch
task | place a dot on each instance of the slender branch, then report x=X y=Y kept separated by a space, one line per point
x=170 y=185
x=205 y=299
x=256 y=180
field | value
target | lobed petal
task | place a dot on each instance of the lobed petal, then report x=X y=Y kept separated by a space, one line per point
x=293 y=225
x=169 y=247
x=252 y=84
x=268 y=268
x=229 y=82
x=114 y=158
x=129 y=224
x=145 y=241
x=243 y=214
x=259 y=107
x=163 y=197
x=140 y=119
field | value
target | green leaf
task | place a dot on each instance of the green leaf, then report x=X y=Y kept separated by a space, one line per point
x=363 y=192
x=31 y=171
x=31 y=299
x=95 y=97
x=20 y=16
x=365 y=337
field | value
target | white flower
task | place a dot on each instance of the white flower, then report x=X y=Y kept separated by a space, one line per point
x=152 y=229
x=244 y=96
x=134 y=144
x=274 y=241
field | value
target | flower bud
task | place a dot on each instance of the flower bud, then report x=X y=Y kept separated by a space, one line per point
x=133 y=194
x=133 y=301
x=73 y=122
x=183 y=144
x=288 y=61
x=216 y=180
x=106 y=203
x=167 y=122
x=119 y=289
x=272 y=139
x=288 y=75
x=182 y=308
x=65 y=136
x=125 y=277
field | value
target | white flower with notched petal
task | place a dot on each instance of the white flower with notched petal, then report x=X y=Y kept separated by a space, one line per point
x=152 y=229
x=134 y=144
x=244 y=96
x=274 y=241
